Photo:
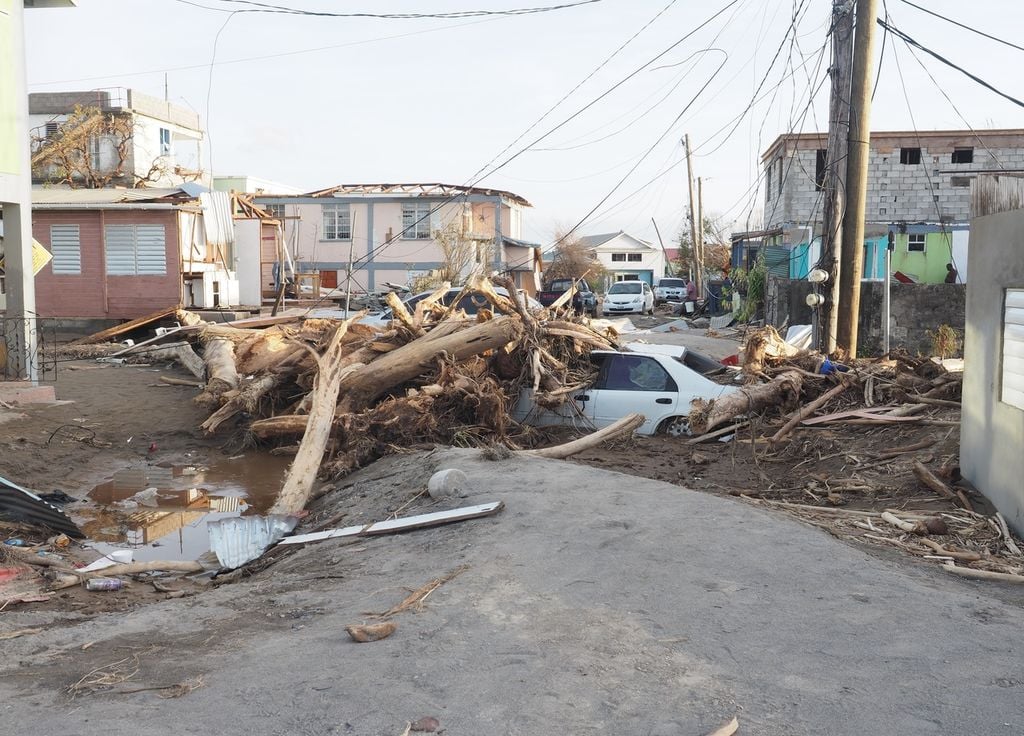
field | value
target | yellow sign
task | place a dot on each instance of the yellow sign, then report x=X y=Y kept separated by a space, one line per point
x=40 y=257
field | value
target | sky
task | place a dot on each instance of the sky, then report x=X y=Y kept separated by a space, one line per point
x=580 y=110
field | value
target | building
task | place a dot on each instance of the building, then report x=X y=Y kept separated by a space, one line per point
x=147 y=141
x=396 y=233
x=123 y=253
x=992 y=421
x=918 y=188
x=245 y=184
x=626 y=258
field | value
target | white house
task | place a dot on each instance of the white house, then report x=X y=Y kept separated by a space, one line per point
x=626 y=258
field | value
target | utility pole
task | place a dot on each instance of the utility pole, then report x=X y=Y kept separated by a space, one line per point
x=700 y=237
x=857 y=175
x=835 y=169
x=697 y=264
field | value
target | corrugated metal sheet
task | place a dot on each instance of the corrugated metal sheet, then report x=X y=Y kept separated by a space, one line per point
x=218 y=223
x=136 y=250
x=1013 y=349
x=19 y=504
x=100 y=196
x=66 y=247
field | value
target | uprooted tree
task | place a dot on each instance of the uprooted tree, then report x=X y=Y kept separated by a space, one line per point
x=93 y=149
x=573 y=260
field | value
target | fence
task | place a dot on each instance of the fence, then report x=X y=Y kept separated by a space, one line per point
x=28 y=347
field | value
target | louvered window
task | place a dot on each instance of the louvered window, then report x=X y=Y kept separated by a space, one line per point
x=66 y=247
x=136 y=250
x=1013 y=348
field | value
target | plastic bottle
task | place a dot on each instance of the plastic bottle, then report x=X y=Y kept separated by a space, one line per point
x=104 y=584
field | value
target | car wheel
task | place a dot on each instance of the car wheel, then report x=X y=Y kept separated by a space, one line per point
x=676 y=427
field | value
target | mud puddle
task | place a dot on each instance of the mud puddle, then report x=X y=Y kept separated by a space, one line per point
x=161 y=512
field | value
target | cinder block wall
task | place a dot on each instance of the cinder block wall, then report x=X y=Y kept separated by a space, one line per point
x=916 y=310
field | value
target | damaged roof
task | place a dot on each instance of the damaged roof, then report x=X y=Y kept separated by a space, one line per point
x=415 y=190
x=57 y=195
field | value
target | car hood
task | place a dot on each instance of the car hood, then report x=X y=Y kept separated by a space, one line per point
x=623 y=298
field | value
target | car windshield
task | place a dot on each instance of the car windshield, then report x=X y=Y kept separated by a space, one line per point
x=672 y=283
x=625 y=287
x=560 y=285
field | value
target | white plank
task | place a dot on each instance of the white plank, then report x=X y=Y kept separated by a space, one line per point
x=395 y=525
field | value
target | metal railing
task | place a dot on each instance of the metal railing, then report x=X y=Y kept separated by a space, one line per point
x=28 y=348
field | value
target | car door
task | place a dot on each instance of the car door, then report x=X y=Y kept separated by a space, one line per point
x=633 y=383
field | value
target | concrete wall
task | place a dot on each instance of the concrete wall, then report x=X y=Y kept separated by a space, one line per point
x=992 y=433
x=916 y=309
x=93 y=293
x=933 y=190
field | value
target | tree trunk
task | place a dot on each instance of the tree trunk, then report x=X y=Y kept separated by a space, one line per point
x=624 y=426
x=298 y=483
x=286 y=425
x=371 y=381
x=246 y=400
x=783 y=390
x=220 y=371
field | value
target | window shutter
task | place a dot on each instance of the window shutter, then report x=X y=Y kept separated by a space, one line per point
x=1013 y=349
x=119 y=246
x=66 y=247
x=151 y=249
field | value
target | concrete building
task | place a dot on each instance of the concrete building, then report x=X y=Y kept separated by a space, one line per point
x=164 y=148
x=119 y=254
x=992 y=423
x=626 y=258
x=918 y=188
x=390 y=232
x=18 y=333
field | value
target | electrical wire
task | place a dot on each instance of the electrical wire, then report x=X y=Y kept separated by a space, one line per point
x=964 y=26
x=259 y=7
x=907 y=39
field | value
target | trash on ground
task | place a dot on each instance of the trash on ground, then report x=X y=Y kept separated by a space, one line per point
x=371 y=632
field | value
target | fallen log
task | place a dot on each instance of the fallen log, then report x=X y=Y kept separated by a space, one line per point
x=624 y=426
x=286 y=425
x=128 y=568
x=783 y=390
x=364 y=386
x=970 y=572
x=299 y=480
x=222 y=376
x=181 y=352
x=934 y=482
x=247 y=399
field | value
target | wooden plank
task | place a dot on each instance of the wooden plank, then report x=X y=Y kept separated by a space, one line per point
x=134 y=324
x=421 y=521
x=859 y=413
x=150 y=341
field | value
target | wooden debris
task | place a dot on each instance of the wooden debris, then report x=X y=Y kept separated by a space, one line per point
x=18 y=632
x=625 y=426
x=807 y=410
x=371 y=632
x=172 y=381
x=117 y=330
x=781 y=391
x=931 y=480
x=970 y=572
x=415 y=598
x=726 y=729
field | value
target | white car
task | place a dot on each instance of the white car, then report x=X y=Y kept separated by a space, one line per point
x=470 y=303
x=626 y=297
x=669 y=290
x=658 y=386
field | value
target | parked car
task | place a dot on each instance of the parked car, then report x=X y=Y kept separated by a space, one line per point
x=669 y=290
x=626 y=297
x=658 y=386
x=470 y=303
x=584 y=300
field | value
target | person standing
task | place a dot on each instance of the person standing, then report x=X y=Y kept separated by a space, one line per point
x=691 y=291
x=951 y=274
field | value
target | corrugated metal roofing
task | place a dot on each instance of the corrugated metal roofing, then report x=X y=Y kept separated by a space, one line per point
x=420 y=190
x=218 y=222
x=50 y=195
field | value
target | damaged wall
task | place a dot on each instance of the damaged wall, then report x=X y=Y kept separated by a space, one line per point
x=917 y=309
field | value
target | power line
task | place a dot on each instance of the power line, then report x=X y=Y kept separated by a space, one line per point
x=259 y=7
x=907 y=39
x=964 y=26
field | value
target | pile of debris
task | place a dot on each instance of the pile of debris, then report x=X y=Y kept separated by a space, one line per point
x=899 y=500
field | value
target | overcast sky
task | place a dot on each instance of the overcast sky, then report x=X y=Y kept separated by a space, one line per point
x=359 y=100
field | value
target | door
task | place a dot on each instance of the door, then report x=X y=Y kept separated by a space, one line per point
x=632 y=383
x=329 y=279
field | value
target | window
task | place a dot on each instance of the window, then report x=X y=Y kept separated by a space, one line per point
x=1012 y=390
x=915 y=243
x=52 y=129
x=634 y=373
x=960 y=181
x=768 y=184
x=275 y=210
x=165 y=142
x=820 y=164
x=910 y=155
x=635 y=257
x=416 y=220
x=962 y=156
x=337 y=222
x=135 y=250
x=618 y=257
x=779 y=188
x=66 y=248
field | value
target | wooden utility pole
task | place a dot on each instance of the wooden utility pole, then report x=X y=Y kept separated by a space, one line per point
x=857 y=175
x=700 y=237
x=835 y=171
x=697 y=264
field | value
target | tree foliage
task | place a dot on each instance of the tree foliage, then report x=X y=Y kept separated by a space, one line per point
x=717 y=250
x=573 y=260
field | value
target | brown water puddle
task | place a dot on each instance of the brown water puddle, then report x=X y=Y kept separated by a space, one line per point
x=161 y=513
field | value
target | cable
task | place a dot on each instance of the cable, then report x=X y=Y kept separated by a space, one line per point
x=209 y=86
x=964 y=26
x=258 y=7
x=907 y=39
